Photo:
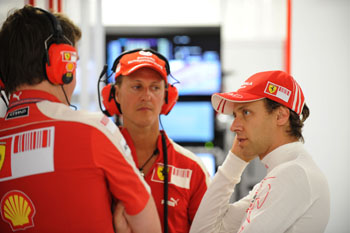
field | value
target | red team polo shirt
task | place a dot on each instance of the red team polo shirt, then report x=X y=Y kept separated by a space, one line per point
x=60 y=168
x=188 y=181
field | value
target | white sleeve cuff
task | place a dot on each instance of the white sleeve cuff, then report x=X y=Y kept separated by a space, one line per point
x=233 y=167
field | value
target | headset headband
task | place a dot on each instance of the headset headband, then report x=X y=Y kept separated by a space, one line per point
x=57 y=28
x=160 y=56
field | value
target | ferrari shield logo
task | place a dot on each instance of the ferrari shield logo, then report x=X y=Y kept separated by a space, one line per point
x=66 y=56
x=2 y=155
x=160 y=172
x=272 y=88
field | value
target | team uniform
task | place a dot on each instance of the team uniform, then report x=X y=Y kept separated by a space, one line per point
x=188 y=181
x=293 y=197
x=60 y=169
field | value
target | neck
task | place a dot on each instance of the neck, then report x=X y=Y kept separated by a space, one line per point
x=46 y=86
x=145 y=142
x=144 y=139
x=285 y=139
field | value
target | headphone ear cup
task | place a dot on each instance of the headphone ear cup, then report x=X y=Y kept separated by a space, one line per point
x=110 y=104
x=172 y=96
x=61 y=64
x=2 y=85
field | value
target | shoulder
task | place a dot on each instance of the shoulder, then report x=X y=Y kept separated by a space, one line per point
x=61 y=112
x=301 y=174
x=189 y=157
x=302 y=166
x=187 y=154
x=95 y=121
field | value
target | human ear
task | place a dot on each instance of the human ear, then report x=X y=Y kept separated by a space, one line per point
x=117 y=93
x=283 y=115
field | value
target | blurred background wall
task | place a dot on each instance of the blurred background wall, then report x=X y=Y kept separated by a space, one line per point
x=253 y=39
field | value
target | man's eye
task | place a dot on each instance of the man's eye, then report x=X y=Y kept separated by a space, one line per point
x=246 y=112
x=155 y=88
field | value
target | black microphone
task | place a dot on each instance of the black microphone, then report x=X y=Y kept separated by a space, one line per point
x=103 y=72
x=4 y=97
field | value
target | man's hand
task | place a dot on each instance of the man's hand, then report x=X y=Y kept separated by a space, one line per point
x=121 y=224
x=242 y=149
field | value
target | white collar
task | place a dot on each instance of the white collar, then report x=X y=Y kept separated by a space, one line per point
x=282 y=154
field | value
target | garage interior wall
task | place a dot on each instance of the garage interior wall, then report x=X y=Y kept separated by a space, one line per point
x=253 y=34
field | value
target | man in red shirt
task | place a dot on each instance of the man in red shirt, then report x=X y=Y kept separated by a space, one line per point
x=143 y=93
x=60 y=169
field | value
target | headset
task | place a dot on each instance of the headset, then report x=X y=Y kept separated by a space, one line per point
x=2 y=85
x=2 y=91
x=108 y=92
x=60 y=57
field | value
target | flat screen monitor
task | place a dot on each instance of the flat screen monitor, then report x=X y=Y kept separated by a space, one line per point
x=209 y=162
x=190 y=122
x=193 y=55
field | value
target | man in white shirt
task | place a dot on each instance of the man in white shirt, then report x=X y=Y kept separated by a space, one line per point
x=269 y=112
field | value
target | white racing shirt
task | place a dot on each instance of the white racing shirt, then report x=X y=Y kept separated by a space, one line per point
x=293 y=197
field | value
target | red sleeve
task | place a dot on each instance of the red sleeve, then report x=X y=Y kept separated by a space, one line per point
x=124 y=182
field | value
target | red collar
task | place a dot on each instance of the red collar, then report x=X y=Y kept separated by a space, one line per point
x=30 y=96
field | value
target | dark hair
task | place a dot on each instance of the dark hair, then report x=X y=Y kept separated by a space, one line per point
x=69 y=29
x=22 y=37
x=118 y=80
x=296 y=123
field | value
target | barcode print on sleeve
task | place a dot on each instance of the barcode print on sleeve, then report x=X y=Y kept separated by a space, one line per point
x=32 y=140
x=181 y=172
x=181 y=177
x=31 y=152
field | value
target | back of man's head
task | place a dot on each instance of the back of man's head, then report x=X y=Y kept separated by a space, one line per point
x=22 y=46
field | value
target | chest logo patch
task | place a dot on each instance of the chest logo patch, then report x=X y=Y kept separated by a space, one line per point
x=17 y=210
x=180 y=177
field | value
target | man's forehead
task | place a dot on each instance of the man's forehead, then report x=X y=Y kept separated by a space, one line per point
x=146 y=70
x=145 y=76
x=239 y=105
